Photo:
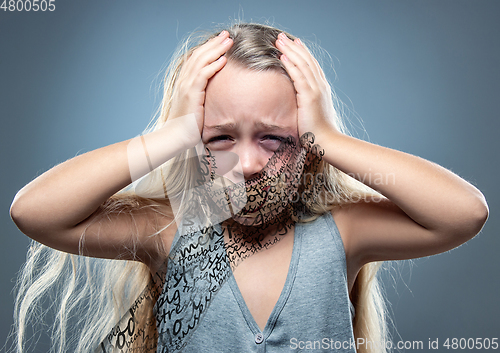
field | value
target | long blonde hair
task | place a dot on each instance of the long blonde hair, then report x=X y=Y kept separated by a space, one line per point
x=101 y=291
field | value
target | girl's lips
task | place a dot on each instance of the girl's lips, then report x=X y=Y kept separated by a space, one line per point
x=266 y=189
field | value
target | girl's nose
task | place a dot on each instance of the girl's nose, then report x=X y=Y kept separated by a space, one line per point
x=252 y=161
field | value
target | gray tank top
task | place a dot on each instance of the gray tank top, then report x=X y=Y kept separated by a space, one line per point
x=312 y=312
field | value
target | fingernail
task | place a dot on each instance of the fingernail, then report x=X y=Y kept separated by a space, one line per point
x=280 y=42
x=283 y=35
x=299 y=41
x=283 y=57
x=227 y=40
x=222 y=33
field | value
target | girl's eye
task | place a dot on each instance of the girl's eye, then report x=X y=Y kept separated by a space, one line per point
x=275 y=138
x=219 y=138
x=272 y=142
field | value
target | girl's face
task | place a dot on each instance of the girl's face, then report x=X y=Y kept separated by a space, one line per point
x=253 y=115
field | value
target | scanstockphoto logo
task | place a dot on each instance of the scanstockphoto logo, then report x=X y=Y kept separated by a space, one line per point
x=352 y=344
x=27 y=5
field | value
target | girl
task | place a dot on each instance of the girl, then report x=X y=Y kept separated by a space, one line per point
x=241 y=218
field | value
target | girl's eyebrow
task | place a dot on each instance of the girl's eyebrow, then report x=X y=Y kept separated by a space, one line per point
x=259 y=124
x=227 y=126
x=270 y=127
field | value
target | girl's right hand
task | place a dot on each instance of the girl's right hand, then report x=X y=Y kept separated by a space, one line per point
x=202 y=64
x=64 y=203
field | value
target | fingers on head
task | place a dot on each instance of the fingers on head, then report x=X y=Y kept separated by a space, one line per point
x=300 y=57
x=211 y=69
x=211 y=50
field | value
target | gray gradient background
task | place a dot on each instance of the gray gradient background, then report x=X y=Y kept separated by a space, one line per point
x=422 y=75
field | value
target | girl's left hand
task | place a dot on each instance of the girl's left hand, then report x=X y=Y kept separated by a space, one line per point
x=316 y=113
x=428 y=208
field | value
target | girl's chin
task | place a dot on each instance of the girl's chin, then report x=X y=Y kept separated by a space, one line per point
x=249 y=219
x=259 y=218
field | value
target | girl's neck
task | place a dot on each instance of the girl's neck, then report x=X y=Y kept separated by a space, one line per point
x=242 y=241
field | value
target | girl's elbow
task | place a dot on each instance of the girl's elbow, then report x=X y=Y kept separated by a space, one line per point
x=18 y=212
x=480 y=213
x=475 y=216
x=22 y=214
x=465 y=221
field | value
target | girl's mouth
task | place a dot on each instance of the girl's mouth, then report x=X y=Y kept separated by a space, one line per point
x=266 y=189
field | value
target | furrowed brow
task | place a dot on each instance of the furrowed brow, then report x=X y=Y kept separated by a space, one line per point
x=221 y=127
x=261 y=125
x=269 y=127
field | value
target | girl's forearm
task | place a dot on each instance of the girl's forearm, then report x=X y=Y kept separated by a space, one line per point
x=72 y=191
x=431 y=195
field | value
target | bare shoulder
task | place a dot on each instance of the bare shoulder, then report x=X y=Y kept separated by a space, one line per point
x=352 y=218
x=351 y=214
x=349 y=217
x=346 y=217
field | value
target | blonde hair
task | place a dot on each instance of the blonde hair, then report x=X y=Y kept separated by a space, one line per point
x=105 y=289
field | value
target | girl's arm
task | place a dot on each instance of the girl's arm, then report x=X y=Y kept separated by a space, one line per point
x=428 y=208
x=57 y=207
